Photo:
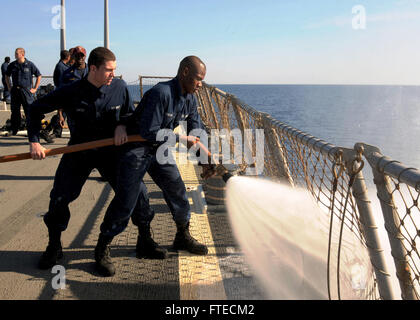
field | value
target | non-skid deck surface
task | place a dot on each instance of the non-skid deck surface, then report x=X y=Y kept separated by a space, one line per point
x=24 y=196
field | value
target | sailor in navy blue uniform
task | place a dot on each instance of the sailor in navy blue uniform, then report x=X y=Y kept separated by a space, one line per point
x=97 y=104
x=60 y=67
x=78 y=69
x=162 y=107
x=6 y=93
x=22 y=94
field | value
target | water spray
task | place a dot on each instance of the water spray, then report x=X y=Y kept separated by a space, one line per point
x=284 y=236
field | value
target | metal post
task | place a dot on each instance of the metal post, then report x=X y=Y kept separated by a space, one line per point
x=369 y=228
x=106 y=25
x=141 y=86
x=398 y=251
x=63 y=26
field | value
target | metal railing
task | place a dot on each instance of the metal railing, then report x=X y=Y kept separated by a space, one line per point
x=146 y=82
x=47 y=82
x=300 y=159
x=398 y=190
x=331 y=174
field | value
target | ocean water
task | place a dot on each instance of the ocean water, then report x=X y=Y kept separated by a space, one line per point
x=387 y=117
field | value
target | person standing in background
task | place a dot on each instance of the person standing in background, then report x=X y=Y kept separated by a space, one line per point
x=6 y=92
x=78 y=69
x=60 y=68
x=21 y=91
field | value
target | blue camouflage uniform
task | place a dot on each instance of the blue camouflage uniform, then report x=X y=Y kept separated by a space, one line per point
x=95 y=113
x=21 y=74
x=162 y=107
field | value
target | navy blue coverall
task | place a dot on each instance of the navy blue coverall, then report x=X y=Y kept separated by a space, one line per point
x=95 y=112
x=162 y=107
x=20 y=94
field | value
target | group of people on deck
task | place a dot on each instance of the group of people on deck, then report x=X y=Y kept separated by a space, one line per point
x=97 y=106
x=19 y=92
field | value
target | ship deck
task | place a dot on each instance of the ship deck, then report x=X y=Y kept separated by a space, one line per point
x=24 y=197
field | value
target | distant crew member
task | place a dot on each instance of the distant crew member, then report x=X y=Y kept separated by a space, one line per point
x=61 y=66
x=22 y=93
x=71 y=62
x=78 y=69
x=6 y=92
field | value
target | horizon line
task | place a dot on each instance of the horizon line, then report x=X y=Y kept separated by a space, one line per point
x=317 y=84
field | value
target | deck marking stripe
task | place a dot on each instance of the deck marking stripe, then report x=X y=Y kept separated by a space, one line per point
x=200 y=277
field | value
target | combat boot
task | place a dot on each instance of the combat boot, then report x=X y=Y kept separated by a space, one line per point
x=104 y=264
x=46 y=136
x=184 y=240
x=54 y=251
x=146 y=247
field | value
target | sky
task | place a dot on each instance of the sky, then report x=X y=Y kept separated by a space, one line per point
x=241 y=41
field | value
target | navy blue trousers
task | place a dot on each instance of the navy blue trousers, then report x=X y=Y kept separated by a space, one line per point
x=6 y=93
x=19 y=97
x=55 y=121
x=72 y=172
x=131 y=200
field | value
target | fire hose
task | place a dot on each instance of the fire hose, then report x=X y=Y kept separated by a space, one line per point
x=220 y=170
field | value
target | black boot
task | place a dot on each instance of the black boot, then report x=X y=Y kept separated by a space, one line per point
x=184 y=240
x=104 y=264
x=54 y=251
x=146 y=247
x=46 y=136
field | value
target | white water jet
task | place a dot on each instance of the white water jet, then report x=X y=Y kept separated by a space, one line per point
x=284 y=236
